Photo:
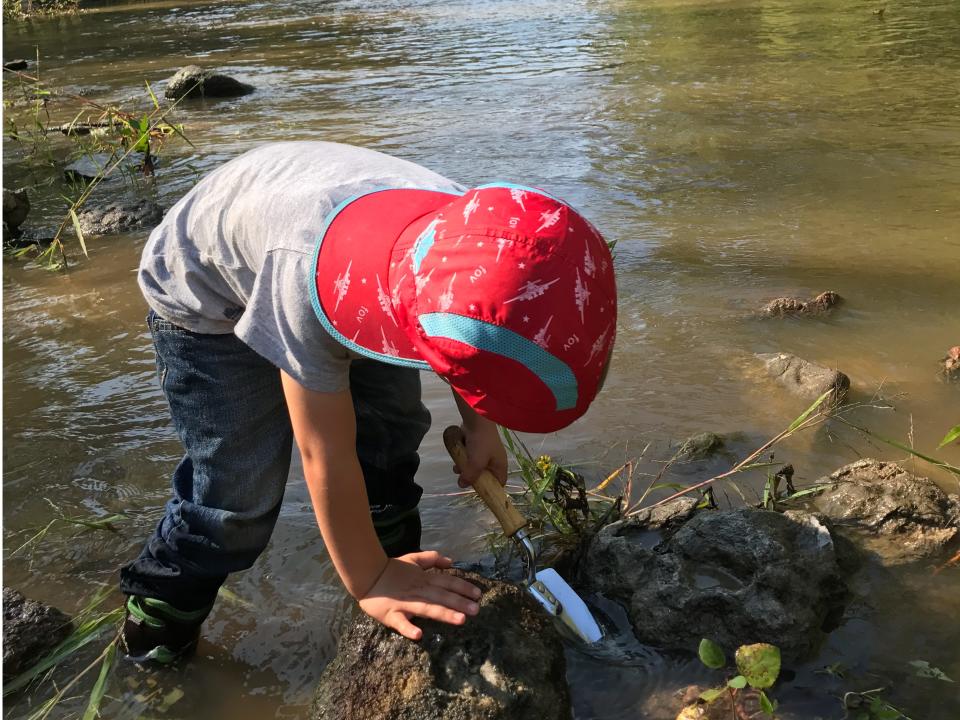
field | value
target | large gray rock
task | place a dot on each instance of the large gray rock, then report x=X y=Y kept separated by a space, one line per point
x=892 y=513
x=735 y=576
x=120 y=216
x=805 y=379
x=30 y=631
x=506 y=662
x=194 y=81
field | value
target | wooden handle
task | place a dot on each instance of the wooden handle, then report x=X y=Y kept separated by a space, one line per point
x=487 y=485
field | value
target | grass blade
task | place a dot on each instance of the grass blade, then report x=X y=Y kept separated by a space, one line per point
x=100 y=687
x=156 y=103
x=81 y=636
x=76 y=227
x=809 y=411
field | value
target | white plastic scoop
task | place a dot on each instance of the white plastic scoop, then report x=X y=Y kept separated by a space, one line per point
x=546 y=586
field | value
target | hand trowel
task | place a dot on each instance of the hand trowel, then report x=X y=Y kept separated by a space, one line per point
x=546 y=586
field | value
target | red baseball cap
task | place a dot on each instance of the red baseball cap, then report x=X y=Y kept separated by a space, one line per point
x=506 y=292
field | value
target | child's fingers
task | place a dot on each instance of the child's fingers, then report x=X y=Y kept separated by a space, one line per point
x=456 y=585
x=431 y=611
x=401 y=623
x=450 y=600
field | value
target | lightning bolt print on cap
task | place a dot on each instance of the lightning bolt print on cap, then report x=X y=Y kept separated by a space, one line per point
x=505 y=292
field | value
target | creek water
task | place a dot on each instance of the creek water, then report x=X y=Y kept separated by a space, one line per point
x=737 y=151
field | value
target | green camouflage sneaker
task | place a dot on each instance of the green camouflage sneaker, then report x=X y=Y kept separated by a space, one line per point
x=156 y=632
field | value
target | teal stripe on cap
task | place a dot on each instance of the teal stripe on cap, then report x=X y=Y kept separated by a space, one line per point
x=552 y=371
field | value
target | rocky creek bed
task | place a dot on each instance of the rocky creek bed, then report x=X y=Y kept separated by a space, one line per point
x=735 y=576
x=681 y=574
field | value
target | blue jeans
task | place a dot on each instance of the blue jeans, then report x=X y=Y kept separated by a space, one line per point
x=229 y=412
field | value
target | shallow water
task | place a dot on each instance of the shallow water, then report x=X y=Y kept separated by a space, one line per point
x=737 y=151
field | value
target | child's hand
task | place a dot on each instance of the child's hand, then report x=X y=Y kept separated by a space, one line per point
x=405 y=589
x=484 y=452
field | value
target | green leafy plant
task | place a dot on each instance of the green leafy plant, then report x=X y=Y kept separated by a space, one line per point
x=106 y=135
x=555 y=499
x=758 y=667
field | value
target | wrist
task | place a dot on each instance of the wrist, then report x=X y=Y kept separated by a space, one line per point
x=359 y=588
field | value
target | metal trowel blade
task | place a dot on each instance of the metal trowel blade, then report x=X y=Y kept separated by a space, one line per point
x=569 y=608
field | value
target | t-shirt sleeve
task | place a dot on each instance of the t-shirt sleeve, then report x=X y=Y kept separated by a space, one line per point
x=279 y=324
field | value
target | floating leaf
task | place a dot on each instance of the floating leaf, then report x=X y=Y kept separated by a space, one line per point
x=171 y=698
x=711 y=654
x=712 y=694
x=759 y=663
x=926 y=670
x=737 y=683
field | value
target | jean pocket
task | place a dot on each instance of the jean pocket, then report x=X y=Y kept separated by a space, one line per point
x=158 y=325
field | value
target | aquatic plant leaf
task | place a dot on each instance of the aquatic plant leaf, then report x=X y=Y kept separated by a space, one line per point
x=738 y=682
x=950 y=437
x=925 y=670
x=712 y=694
x=766 y=704
x=100 y=687
x=711 y=654
x=759 y=664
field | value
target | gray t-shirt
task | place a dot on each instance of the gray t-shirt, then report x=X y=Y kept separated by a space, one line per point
x=234 y=255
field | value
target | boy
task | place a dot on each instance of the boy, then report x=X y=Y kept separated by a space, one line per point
x=296 y=292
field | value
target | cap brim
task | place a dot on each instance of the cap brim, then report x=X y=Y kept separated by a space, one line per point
x=350 y=290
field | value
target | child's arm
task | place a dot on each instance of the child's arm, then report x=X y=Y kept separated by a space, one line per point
x=389 y=590
x=484 y=449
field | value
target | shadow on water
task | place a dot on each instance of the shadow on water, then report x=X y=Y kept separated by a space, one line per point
x=737 y=151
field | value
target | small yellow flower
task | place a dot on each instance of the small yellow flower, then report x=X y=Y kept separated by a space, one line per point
x=543 y=464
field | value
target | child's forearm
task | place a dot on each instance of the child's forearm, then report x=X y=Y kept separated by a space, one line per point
x=340 y=504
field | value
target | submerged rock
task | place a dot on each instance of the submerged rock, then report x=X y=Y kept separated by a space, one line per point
x=506 y=662
x=894 y=514
x=88 y=167
x=194 y=81
x=734 y=576
x=950 y=365
x=784 y=306
x=16 y=207
x=30 y=631
x=701 y=447
x=15 y=65
x=805 y=379
x=119 y=217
